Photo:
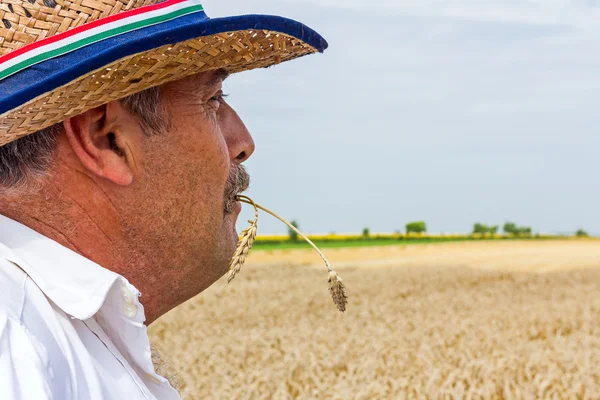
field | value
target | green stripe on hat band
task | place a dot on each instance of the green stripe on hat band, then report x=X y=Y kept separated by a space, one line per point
x=97 y=38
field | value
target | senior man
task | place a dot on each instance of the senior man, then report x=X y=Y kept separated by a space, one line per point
x=119 y=165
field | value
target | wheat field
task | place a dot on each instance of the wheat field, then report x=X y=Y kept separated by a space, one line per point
x=514 y=320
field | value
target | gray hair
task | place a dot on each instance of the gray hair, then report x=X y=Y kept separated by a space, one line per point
x=27 y=160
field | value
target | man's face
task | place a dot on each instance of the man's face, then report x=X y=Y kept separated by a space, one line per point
x=187 y=181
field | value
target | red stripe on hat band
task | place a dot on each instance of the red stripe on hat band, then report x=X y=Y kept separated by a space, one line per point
x=88 y=26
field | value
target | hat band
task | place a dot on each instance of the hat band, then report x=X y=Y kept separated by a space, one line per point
x=94 y=32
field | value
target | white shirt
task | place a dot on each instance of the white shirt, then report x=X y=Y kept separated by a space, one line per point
x=69 y=328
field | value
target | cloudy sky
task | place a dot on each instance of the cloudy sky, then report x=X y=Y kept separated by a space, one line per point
x=451 y=111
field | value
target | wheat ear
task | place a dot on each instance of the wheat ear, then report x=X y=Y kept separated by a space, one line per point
x=336 y=284
x=244 y=245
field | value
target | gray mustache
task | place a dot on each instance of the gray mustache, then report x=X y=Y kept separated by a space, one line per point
x=238 y=181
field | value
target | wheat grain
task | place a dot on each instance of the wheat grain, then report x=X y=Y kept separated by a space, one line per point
x=338 y=290
x=336 y=285
x=472 y=320
x=244 y=246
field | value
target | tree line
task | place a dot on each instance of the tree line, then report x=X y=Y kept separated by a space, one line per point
x=420 y=227
x=509 y=228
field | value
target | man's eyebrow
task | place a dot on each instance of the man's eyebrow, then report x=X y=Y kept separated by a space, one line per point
x=219 y=76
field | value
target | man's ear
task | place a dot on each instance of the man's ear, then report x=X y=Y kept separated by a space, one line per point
x=100 y=142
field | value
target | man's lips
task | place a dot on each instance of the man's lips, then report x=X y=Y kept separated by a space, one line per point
x=237 y=208
x=232 y=206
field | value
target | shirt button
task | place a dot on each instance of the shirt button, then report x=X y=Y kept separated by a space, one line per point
x=126 y=295
x=129 y=310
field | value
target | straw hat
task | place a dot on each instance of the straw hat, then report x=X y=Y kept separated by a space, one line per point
x=59 y=58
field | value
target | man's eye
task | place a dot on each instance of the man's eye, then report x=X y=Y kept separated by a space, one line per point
x=220 y=97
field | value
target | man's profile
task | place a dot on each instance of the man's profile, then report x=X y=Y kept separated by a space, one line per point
x=120 y=162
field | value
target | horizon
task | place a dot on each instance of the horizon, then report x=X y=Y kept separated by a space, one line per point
x=359 y=232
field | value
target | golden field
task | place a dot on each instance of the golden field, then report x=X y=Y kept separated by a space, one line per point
x=450 y=321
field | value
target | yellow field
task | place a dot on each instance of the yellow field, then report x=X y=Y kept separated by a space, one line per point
x=353 y=236
x=456 y=320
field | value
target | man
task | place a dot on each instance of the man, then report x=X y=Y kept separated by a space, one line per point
x=120 y=161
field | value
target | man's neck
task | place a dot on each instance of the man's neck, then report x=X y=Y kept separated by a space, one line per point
x=92 y=229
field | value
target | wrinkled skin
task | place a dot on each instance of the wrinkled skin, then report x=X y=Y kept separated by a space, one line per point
x=157 y=209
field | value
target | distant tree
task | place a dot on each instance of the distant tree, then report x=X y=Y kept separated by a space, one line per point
x=366 y=232
x=416 y=227
x=484 y=229
x=524 y=230
x=292 y=233
x=581 y=233
x=513 y=229
x=510 y=227
x=479 y=228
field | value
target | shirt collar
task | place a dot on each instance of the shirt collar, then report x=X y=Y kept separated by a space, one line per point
x=74 y=283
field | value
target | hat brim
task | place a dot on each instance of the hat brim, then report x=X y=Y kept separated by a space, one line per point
x=58 y=88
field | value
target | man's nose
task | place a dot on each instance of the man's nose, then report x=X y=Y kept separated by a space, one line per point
x=238 y=138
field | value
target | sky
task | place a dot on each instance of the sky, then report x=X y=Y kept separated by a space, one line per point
x=451 y=112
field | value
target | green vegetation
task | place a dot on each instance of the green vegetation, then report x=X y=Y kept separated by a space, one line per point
x=513 y=229
x=416 y=227
x=416 y=234
x=366 y=233
x=331 y=241
x=581 y=233
x=293 y=235
x=483 y=229
x=360 y=242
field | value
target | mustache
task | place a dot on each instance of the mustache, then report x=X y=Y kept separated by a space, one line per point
x=238 y=181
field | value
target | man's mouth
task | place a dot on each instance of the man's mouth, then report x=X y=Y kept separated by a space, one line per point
x=237 y=208
x=237 y=182
x=233 y=206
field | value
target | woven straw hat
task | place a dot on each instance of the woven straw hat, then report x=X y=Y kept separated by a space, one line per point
x=59 y=58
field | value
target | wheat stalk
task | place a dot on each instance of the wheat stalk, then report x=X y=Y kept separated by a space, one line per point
x=244 y=245
x=337 y=289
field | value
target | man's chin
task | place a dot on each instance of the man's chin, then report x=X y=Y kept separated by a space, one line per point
x=230 y=221
x=231 y=235
x=235 y=235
